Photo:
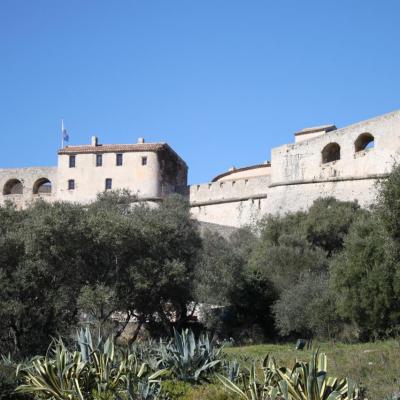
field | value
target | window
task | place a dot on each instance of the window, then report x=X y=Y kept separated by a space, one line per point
x=331 y=152
x=71 y=184
x=99 y=160
x=72 y=161
x=108 y=184
x=144 y=160
x=119 y=159
x=364 y=142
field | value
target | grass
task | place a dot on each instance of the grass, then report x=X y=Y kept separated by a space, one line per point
x=375 y=366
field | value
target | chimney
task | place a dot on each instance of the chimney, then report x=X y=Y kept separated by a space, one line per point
x=140 y=140
x=94 y=141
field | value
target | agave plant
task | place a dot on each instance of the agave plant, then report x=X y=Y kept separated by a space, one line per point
x=99 y=369
x=310 y=381
x=189 y=359
x=249 y=385
x=231 y=369
x=305 y=381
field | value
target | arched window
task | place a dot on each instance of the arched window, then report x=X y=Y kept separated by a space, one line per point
x=42 y=186
x=13 y=186
x=364 y=142
x=331 y=152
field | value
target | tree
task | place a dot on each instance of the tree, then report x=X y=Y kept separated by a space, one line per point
x=236 y=300
x=365 y=278
x=328 y=221
x=147 y=257
x=293 y=253
x=60 y=260
x=308 y=308
x=285 y=258
x=218 y=269
x=388 y=205
x=43 y=255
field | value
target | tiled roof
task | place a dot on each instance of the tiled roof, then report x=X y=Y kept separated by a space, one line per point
x=114 y=148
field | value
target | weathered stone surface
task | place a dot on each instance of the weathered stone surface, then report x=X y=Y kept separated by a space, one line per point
x=298 y=175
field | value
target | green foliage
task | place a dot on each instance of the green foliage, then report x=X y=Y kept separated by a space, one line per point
x=218 y=269
x=8 y=379
x=305 y=381
x=60 y=262
x=41 y=265
x=388 y=203
x=308 y=308
x=283 y=257
x=244 y=296
x=328 y=221
x=98 y=369
x=364 y=276
x=177 y=390
x=190 y=359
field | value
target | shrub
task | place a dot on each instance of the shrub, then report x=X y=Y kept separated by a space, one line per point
x=178 y=390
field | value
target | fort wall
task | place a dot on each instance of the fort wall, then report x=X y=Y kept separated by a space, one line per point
x=304 y=171
x=22 y=185
x=345 y=163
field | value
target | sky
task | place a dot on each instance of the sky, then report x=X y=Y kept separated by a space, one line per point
x=222 y=81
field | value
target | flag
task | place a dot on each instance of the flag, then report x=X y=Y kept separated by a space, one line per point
x=65 y=136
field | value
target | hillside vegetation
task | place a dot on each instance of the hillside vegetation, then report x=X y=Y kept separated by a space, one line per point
x=328 y=274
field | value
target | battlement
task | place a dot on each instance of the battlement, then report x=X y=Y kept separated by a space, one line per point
x=229 y=191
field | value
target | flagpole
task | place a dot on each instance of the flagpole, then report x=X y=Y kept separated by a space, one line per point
x=62 y=133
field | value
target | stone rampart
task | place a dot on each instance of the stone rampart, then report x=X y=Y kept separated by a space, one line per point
x=231 y=202
x=24 y=185
x=344 y=163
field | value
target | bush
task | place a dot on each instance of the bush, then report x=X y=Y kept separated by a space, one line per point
x=178 y=390
x=8 y=381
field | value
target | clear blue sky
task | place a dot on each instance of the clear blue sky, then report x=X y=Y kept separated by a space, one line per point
x=222 y=81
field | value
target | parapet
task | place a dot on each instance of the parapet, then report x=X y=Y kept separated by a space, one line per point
x=309 y=133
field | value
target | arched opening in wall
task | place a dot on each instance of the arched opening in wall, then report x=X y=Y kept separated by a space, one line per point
x=13 y=186
x=364 y=142
x=42 y=186
x=331 y=152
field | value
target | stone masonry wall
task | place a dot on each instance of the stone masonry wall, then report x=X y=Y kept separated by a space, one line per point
x=299 y=176
x=28 y=178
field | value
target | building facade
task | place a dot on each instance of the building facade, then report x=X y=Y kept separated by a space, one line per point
x=151 y=171
x=323 y=161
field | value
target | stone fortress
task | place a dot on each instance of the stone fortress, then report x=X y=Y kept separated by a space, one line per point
x=345 y=163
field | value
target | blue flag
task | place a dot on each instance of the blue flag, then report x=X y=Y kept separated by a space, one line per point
x=65 y=136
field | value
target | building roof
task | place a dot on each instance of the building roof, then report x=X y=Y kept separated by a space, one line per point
x=325 y=128
x=113 y=148
x=119 y=148
x=235 y=170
